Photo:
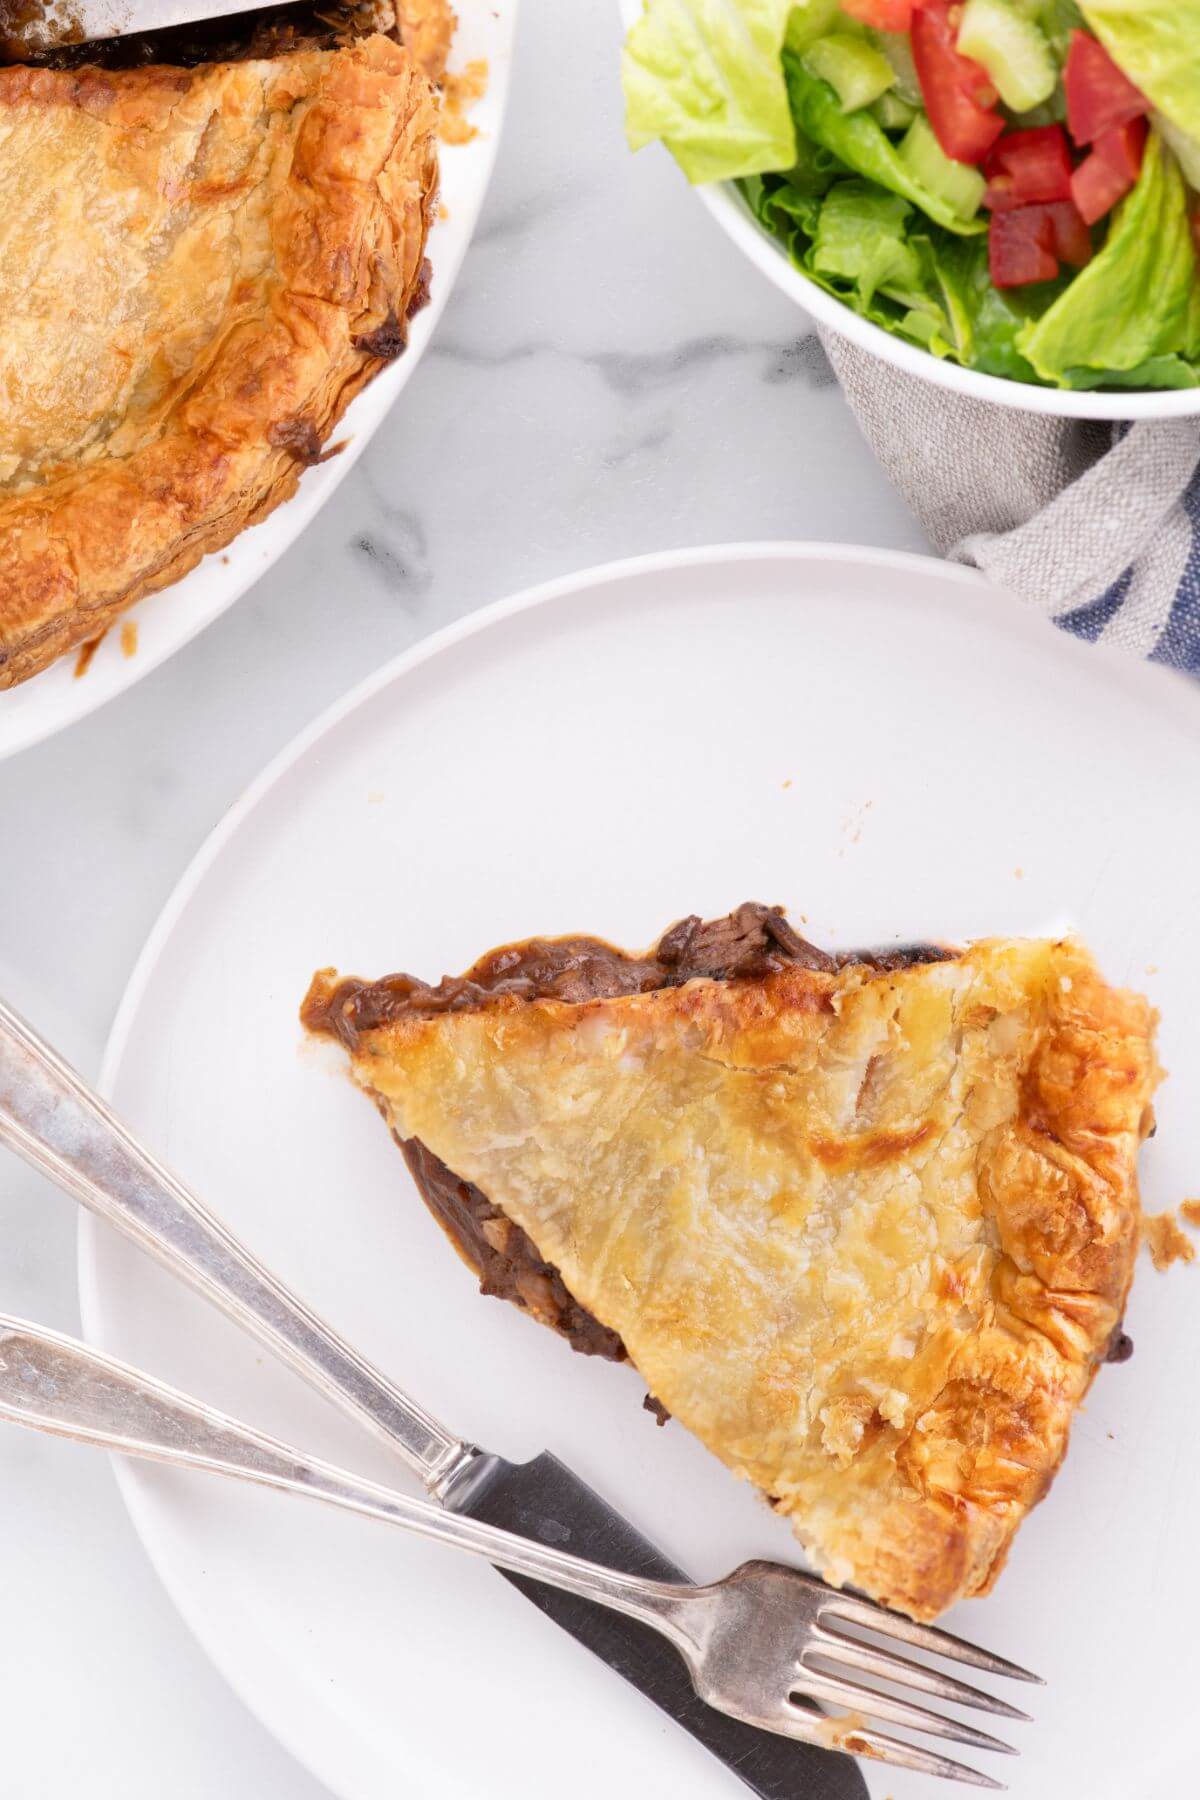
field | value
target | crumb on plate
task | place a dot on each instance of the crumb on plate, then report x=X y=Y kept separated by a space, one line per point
x=1166 y=1243
x=83 y=661
x=459 y=93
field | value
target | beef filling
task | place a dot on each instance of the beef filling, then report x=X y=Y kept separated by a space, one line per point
x=503 y=1256
x=748 y=943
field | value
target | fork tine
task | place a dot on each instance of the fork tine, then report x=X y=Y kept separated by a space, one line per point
x=881 y=1748
x=922 y=1637
x=857 y=1739
x=852 y=1653
x=859 y=1698
x=851 y=1739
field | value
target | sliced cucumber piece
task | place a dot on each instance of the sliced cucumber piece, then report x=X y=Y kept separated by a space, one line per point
x=1012 y=49
x=893 y=113
x=857 y=73
x=958 y=184
x=808 y=21
x=897 y=47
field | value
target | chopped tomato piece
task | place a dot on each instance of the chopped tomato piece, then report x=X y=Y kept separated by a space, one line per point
x=971 y=76
x=957 y=92
x=978 y=84
x=1096 y=188
x=882 y=15
x=1124 y=147
x=1072 y=239
x=1113 y=167
x=1027 y=166
x=968 y=74
x=1099 y=95
x=1021 y=247
x=1027 y=243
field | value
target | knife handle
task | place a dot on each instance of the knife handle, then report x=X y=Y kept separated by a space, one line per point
x=52 y=1118
x=53 y=1383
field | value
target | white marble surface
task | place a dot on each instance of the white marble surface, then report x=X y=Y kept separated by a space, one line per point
x=610 y=378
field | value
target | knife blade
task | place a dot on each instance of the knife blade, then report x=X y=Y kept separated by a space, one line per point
x=545 y=1500
x=35 y=29
x=49 y=1116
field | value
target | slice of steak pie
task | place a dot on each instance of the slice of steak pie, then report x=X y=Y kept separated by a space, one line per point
x=865 y=1225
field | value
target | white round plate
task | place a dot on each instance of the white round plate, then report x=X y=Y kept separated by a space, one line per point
x=168 y=620
x=894 y=749
x=725 y=203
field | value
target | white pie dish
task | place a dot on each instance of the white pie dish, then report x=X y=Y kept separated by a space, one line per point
x=168 y=620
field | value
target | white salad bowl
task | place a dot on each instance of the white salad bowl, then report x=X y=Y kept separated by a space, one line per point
x=725 y=203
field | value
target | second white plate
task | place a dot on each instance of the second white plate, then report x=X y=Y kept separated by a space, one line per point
x=896 y=751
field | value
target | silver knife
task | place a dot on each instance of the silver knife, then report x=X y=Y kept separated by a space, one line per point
x=61 y=22
x=51 y=1118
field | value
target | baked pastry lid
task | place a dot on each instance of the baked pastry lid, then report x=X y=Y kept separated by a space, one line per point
x=867 y=1230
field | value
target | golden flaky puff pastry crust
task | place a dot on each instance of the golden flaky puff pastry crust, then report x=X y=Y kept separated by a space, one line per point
x=199 y=268
x=427 y=31
x=866 y=1233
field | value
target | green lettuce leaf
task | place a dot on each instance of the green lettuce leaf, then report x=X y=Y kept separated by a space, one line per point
x=1186 y=148
x=988 y=320
x=1191 y=330
x=862 y=255
x=1159 y=372
x=878 y=255
x=872 y=250
x=705 y=77
x=1058 y=19
x=810 y=20
x=1157 y=44
x=1133 y=302
x=860 y=142
x=860 y=238
x=815 y=168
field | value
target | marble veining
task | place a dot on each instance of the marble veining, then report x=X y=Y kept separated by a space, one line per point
x=610 y=378
x=634 y=373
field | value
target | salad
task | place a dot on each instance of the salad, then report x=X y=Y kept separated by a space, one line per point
x=1014 y=184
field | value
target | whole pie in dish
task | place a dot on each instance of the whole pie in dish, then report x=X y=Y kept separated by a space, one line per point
x=201 y=264
x=866 y=1224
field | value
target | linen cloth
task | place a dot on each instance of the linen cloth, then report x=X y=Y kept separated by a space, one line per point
x=1095 y=524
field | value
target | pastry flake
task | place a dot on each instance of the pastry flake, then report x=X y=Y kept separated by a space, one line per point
x=199 y=269
x=866 y=1226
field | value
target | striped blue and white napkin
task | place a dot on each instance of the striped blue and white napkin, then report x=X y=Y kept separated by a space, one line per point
x=1096 y=525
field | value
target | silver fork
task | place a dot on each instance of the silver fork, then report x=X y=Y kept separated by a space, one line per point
x=764 y=1644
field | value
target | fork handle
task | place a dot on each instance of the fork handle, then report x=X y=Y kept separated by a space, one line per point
x=52 y=1118
x=55 y=1384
